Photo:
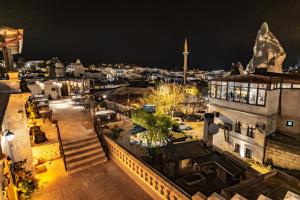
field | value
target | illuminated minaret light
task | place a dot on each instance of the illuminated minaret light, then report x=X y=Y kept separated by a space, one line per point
x=185 y=62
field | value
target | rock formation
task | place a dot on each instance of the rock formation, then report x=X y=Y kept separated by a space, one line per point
x=268 y=54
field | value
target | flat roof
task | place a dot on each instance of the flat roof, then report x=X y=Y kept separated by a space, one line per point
x=267 y=78
x=274 y=185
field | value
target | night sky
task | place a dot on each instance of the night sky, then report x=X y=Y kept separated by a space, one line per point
x=152 y=33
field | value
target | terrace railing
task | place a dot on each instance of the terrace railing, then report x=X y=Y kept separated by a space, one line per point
x=157 y=185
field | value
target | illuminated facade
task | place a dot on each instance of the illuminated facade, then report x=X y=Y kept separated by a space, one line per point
x=248 y=108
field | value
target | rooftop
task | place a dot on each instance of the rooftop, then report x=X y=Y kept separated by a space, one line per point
x=266 y=78
x=274 y=185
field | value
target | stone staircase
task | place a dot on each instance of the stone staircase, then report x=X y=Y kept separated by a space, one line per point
x=83 y=154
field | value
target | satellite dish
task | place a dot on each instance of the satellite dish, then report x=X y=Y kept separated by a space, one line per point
x=213 y=128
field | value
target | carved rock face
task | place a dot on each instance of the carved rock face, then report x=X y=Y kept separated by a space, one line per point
x=267 y=52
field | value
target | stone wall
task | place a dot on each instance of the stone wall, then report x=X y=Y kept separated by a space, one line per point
x=283 y=155
x=46 y=152
x=155 y=184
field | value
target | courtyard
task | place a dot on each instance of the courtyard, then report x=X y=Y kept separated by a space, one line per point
x=105 y=181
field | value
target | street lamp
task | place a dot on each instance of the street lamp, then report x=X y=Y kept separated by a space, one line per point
x=9 y=136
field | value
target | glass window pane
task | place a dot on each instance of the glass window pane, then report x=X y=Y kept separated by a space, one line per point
x=230 y=94
x=296 y=85
x=286 y=85
x=273 y=86
x=213 y=91
x=252 y=96
x=237 y=84
x=278 y=85
x=237 y=93
x=224 y=92
x=253 y=85
x=264 y=86
x=261 y=97
x=224 y=83
x=230 y=84
x=244 y=95
x=245 y=85
x=219 y=91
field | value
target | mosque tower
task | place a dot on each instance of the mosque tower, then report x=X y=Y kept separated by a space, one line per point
x=185 y=64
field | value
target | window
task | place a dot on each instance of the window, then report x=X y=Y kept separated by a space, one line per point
x=244 y=95
x=296 y=85
x=238 y=127
x=250 y=131
x=53 y=89
x=224 y=90
x=237 y=148
x=213 y=91
x=219 y=89
x=286 y=85
x=248 y=153
x=226 y=135
x=237 y=91
x=290 y=123
x=253 y=93
x=261 y=97
x=230 y=94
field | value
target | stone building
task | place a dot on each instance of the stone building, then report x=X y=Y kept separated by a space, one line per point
x=250 y=108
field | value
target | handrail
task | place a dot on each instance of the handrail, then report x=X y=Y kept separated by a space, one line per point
x=102 y=140
x=62 y=152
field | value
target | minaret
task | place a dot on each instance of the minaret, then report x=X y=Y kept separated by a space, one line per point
x=185 y=66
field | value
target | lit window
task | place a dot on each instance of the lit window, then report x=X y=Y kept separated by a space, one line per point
x=296 y=85
x=253 y=85
x=224 y=90
x=278 y=85
x=263 y=86
x=248 y=153
x=290 y=123
x=226 y=135
x=230 y=94
x=238 y=127
x=252 y=96
x=219 y=89
x=213 y=91
x=244 y=95
x=237 y=92
x=286 y=85
x=250 y=131
x=237 y=148
x=261 y=97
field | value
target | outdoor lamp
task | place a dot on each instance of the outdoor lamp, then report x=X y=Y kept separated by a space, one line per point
x=9 y=135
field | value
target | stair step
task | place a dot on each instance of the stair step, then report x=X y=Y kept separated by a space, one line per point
x=78 y=151
x=78 y=141
x=86 y=162
x=80 y=144
x=85 y=167
x=76 y=158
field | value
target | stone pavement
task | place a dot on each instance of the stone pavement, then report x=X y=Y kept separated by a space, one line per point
x=104 y=182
